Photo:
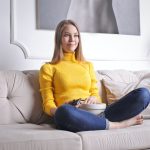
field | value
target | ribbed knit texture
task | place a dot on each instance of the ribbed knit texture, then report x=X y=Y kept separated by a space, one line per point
x=65 y=81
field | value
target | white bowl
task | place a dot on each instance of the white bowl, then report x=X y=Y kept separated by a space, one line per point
x=94 y=108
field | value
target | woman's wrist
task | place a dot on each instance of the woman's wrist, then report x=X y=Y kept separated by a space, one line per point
x=91 y=100
x=52 y=111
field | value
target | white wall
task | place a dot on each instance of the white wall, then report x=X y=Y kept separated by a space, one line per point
x=30 y=48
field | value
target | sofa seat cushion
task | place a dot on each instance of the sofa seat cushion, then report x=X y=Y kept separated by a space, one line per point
x=34 y=137
x=135 y=137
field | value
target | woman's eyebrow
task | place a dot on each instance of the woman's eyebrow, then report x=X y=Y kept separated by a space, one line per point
x=70 y=33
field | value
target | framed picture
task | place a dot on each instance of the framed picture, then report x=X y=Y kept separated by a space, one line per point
x=96 y=16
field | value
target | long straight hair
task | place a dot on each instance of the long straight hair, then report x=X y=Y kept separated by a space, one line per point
x=58 y=51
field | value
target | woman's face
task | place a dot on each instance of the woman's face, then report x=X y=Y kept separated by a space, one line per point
x=70 y=38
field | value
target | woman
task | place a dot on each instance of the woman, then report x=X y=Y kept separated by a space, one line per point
x=69 y=76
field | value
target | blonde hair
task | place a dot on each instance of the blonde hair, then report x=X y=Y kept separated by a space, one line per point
x=58 y=51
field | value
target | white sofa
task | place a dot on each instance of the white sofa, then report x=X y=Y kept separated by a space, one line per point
x=24 y=126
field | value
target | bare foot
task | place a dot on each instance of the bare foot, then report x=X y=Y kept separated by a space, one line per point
x=126 y=123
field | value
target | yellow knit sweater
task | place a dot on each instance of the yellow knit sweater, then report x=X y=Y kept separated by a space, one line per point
x=65 y=81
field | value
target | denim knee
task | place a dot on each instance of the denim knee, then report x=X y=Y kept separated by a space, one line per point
x=63 y=112
x=144 y=95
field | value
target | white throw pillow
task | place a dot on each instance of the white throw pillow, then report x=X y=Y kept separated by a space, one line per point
x=115 y=89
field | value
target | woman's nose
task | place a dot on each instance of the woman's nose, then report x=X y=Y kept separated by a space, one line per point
x=71 y=38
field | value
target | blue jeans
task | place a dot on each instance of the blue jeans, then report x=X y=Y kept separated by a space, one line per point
x=70 y=118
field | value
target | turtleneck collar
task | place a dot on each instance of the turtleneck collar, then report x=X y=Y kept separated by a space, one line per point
x=69 y=56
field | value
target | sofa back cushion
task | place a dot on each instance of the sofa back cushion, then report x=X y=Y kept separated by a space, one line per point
x=20 y=100
x=117 y=83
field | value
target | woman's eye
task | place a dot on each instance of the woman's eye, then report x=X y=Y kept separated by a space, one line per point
x=66 y=35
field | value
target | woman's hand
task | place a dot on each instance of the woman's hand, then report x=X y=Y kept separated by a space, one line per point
x=52 y=111
x=91 y=100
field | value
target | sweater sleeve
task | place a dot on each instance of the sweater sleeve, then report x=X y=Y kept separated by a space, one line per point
x=94 y=88
x=46 y=88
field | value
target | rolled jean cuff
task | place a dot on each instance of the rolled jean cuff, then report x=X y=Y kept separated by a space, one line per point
x=107 y=124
